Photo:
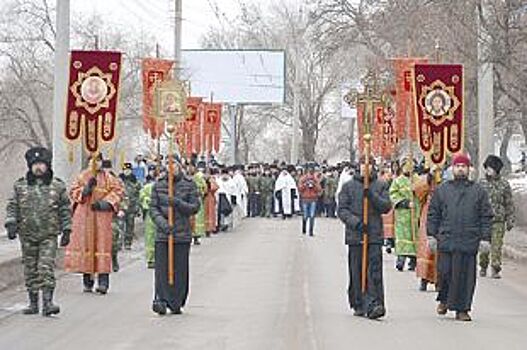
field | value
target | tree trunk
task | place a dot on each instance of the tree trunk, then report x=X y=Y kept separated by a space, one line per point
x=308 y=144
x=504 y=147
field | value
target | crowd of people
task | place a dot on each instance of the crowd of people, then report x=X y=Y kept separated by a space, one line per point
x=435 y=221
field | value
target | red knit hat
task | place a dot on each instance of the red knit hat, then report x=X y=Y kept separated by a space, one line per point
x=461 y=158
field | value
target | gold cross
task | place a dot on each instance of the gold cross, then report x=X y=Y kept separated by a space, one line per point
x=370 y=98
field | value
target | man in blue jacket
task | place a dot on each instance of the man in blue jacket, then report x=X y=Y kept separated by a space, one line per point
x=459 y=224
x=370 y=303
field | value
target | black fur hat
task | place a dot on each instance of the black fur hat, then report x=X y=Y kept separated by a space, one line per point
x=493 y=162
x=38 y=155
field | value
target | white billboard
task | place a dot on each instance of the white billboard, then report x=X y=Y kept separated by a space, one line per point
x=236 y=76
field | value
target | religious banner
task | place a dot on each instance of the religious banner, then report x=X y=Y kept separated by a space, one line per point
x=91 y=110
x=438 y=91
x=405 y=118
x=385 y=127
x=154 y=71
x=188 y=131
x=212 y=127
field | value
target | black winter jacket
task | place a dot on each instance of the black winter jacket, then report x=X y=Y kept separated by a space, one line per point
x=459 y=216
x=186 y=203
x=351 y=204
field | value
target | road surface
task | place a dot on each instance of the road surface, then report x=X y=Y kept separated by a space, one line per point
x=265 y=286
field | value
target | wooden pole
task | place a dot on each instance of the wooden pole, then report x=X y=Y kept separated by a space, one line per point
x=171 y=196
x=365 y=204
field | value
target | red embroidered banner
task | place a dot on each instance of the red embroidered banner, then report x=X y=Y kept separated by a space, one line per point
x=93 y=97
x=387 y=138
x=154 y=71
x=438 y=95
x=188 y=133
x=212 y=127
x=405 y=118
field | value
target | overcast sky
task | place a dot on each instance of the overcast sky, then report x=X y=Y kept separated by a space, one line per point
x=157 y=16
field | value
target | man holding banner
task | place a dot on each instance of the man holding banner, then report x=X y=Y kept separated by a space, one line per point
x=368 y=301
x=185 y=202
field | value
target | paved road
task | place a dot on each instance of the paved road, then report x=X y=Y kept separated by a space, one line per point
x=265 y=286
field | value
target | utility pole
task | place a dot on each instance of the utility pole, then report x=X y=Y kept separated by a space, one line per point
x=296 y=102
x=177 y=37
x=61 y=167
x=485 y=88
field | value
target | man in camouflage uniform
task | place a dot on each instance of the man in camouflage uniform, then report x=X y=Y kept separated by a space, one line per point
x=500 y=195
x=132 y=191
x=266 y=185
x=38 y=212
x=329 y=194
x=253 y=182
x=118 y=224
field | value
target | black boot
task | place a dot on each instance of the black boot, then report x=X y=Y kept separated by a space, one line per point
x=87 y=281
x=159 y=307
x=48 y=308
x=115 y=263
x=311 y=226
x=412 y=263
x=424 y=285
x=103 y=283
x=304 y=226
x=400 y=263
x=32 y=308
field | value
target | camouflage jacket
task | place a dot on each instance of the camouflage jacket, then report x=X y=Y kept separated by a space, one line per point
x=39 y=209
x=500 y=195
x=330 y=189
x=266 y=184
x=132 y=192
x=253 y=182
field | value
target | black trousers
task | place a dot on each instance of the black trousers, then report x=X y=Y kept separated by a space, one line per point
x=456 y=273
x=374 y=295
x=254 y=204
x=103 y=280
x=174 y=296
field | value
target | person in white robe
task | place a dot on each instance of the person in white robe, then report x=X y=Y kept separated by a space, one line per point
x=286 y=197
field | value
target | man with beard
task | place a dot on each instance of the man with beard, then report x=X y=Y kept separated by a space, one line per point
x=500 y=195
x=459 y=222
x=96 y=195
x=406 y=220
x=226 y=200
x=37 y=213
x=350 y=211
x=286 y=194
x=149 y=227
x=266 y=185
x=133 y=188
x=185 y=203
x=253 y=183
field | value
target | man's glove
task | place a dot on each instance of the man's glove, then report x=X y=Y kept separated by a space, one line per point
x=509 y=226
x=432 y=244
x=360 y=227
x=484 y=247
x=11 y=231
x=65 y=238
x=404 y=204
x=101 y=205
x=89 y=187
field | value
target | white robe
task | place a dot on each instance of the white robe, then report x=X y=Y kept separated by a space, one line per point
x=286 y=183
x=227 y=187
x=241 y=192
